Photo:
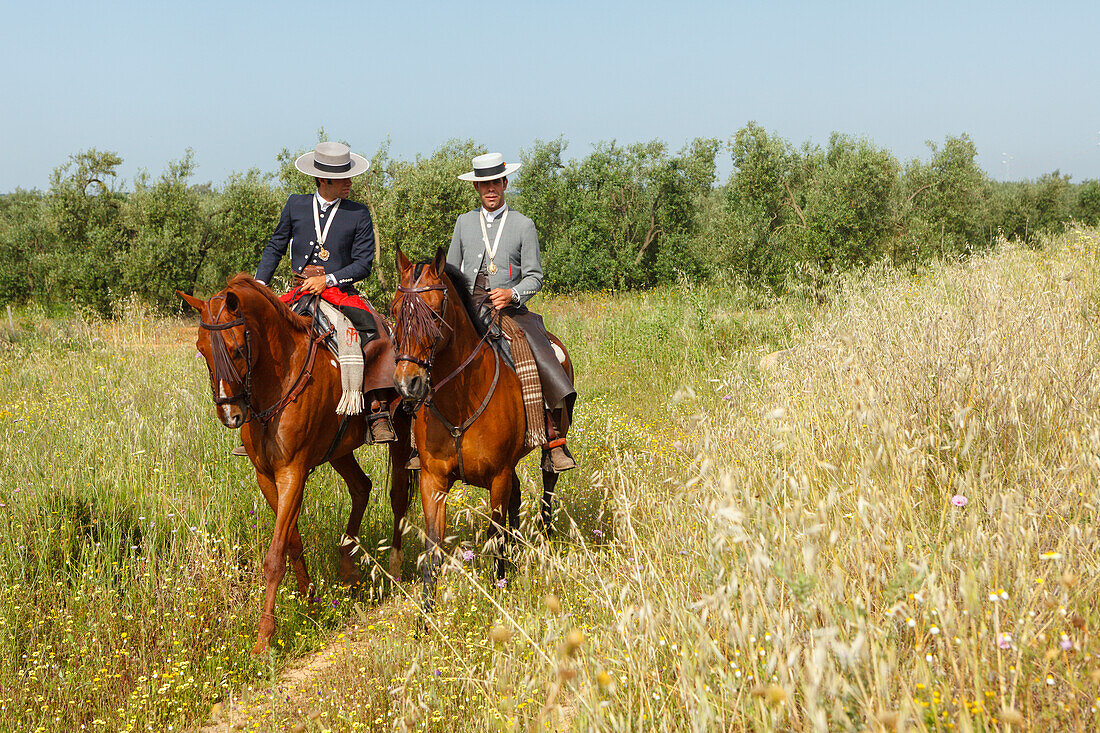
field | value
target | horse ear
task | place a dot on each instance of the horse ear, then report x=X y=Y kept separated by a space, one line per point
x=403 y=263
x=192 y=301
x=440 y=261
x=232 y=301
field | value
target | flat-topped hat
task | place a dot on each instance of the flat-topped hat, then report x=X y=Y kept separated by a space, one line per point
x=489 y=167
x=332 y=160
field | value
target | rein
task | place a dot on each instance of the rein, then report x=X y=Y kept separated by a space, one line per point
x=424 y=325
x=225 y=371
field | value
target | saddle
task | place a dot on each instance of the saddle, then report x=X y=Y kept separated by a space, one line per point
x=379 y=357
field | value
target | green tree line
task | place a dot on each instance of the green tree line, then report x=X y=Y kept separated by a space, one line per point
x=622 y=216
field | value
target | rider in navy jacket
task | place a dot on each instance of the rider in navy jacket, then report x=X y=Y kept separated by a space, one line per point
x=350 y=242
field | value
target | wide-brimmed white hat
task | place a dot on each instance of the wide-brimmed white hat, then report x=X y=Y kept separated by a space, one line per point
x=332 y=160
x=489 y=167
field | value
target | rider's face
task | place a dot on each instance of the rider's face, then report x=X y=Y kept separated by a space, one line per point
x=334 y=188
x=491 y=192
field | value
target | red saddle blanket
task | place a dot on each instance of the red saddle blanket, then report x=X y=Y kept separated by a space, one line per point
x=379 y=357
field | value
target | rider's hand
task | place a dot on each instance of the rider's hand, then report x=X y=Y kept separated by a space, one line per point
x=501 y=297
x=315 y=284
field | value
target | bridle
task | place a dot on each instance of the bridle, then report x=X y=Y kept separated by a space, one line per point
x=226 y=371
x=423 y=318
x=415 y=316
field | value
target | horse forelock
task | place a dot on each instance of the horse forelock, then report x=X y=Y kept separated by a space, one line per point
x=415 y=320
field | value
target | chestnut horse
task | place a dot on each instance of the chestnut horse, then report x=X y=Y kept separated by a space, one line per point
x=273 y=379
x=469 y=423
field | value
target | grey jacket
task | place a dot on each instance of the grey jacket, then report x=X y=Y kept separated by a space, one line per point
x=519 y=265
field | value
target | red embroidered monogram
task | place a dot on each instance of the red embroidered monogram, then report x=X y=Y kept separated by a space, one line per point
x=352 y=335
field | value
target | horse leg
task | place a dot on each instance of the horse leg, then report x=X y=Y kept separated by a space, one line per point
x=513 y=503
x=288 y=504
x=359 y=486
x=500 y=497
x=513 y=511
x=549 y=481
x=295 y=550
x=400 y=478
x=433 y=495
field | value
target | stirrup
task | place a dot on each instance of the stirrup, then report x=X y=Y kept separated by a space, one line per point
x=556 y=458
x=381 y=429
x=413 y=464
x=238 y=451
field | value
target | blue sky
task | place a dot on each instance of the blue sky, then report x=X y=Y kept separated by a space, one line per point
x=238 y=82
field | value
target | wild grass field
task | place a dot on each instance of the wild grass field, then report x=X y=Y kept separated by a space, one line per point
x=890 y=524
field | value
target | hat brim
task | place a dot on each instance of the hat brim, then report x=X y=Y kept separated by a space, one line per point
x=509 y=169
x=306 y=164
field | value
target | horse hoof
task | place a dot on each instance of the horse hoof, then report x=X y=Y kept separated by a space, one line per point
x=423 y=628
x=261 y=647
x=397 y=559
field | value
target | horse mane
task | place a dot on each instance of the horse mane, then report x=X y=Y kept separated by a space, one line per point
x=243 y=280
x=461 y=284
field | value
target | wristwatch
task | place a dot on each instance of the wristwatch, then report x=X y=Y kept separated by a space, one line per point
x=515 y=296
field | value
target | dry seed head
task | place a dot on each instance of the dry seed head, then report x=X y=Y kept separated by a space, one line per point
x=1050 y=654
x=1069 y=579
x=298 y=728
x=566 y=673
x=216 y=710
x=500 y=635
x=1095 y=675
x=573 y=640
x=1012 y=716
x=552 y=603
x=603 y=679
x=775 y=694
x=889 y=719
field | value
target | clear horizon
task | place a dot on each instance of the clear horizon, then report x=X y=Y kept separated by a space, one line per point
x=237 y=85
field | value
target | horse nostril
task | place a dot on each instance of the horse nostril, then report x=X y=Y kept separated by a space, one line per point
x=416 y=386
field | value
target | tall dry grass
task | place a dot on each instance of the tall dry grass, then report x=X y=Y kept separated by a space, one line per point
x=890 y=526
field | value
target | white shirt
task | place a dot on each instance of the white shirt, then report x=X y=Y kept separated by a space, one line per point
x=323 y=203
x=491 y=216
x=330 y=279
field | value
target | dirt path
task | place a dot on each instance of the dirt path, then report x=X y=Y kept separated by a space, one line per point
x=295 y=686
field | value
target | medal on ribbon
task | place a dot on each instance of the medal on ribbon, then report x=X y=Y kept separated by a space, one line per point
x=323 y=253
x=491 y=250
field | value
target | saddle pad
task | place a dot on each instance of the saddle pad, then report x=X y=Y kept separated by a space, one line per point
x=528 y=374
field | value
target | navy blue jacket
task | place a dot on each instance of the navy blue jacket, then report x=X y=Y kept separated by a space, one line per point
x=350 y=242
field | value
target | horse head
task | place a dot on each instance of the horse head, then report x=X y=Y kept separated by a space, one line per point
x=234 y=327
x=421 y=327
x=226 y=344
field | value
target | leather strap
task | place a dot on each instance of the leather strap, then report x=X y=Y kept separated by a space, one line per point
x=458 y=431
x=299 y=383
